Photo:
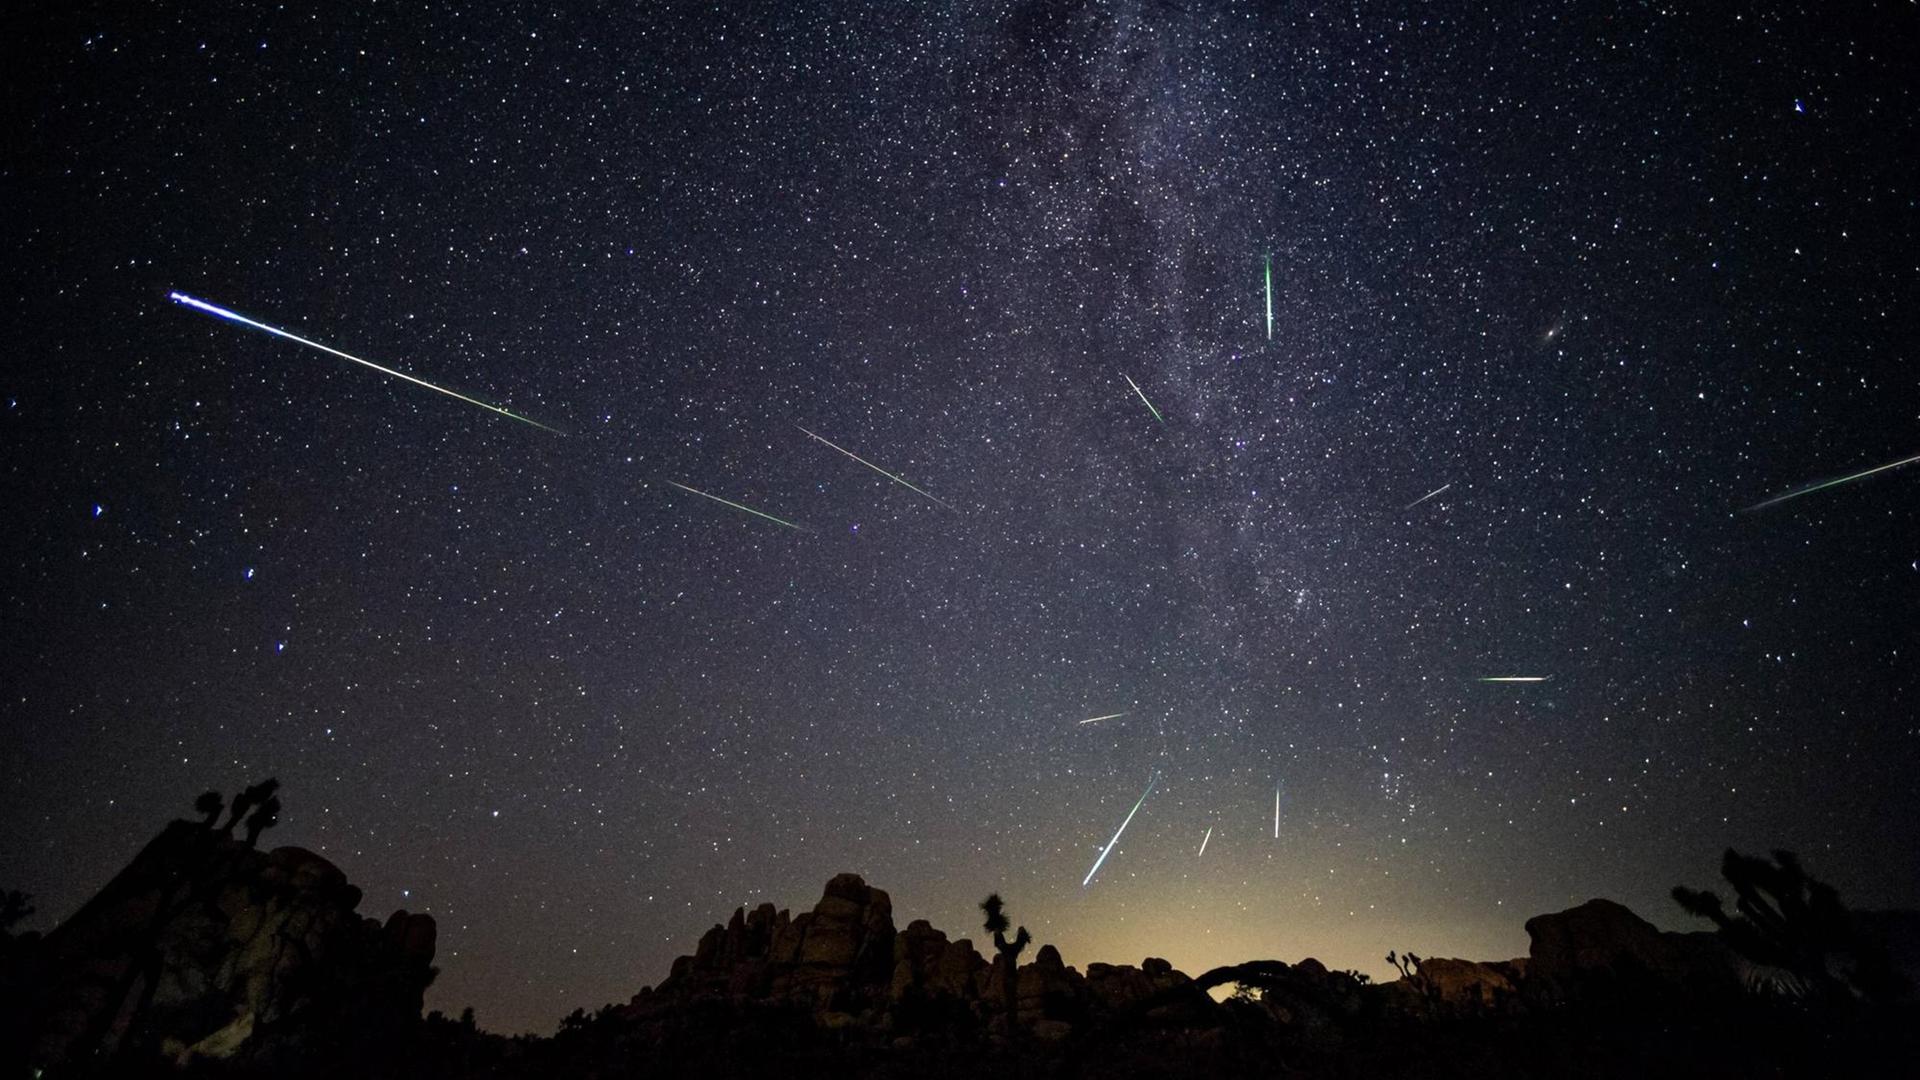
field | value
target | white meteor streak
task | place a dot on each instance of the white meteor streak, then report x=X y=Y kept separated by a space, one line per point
x=211 y=309
x=879 y=470
x=1824 y=484
x=1116 y=833
x=1097 y=719
x=1514 y=678
x=1269 y=298
x=737 y=506
x=1203 y=841
x=1276 y=811
x=1425 y=497
x=1143 y=397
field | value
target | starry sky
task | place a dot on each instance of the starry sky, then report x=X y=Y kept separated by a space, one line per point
x=1608 y=275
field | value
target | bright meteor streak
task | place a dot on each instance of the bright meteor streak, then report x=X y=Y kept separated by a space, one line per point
x=1276 y=811
x=1097 y=719
x=1123 y=828
x=1514 y=678
x=1269 y=298
x=878 y=469
x=736 y=506
x=211 y=309
x=1143 y=397
x=1425 y=497
x=1203 y=841
x=1831 y=483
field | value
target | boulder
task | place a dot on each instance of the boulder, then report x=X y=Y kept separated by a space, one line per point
x=1467 y=987
x=925 y=962
x=1601 y=946
x=839 y=957
x=206 y=947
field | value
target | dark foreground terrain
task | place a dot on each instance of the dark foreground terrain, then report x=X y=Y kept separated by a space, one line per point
x=209 y=957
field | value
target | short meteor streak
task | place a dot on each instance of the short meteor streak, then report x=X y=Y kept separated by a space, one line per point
x=1513 y=678
x=879 y=470
x=1276 y=811
x=1425 y=497
x=1097 y=719
x=1203 y=841
x=736 y=506
x=1143 y=397
x=1116 y=833
x=183 y=298
x=1269 y=298
x=1823 y=485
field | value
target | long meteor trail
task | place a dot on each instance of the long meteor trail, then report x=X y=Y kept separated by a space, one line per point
x=1276 y=811
x=1097 y=719
x=212 y=309
x=737 y=506
x=1143 y=397
x=1513 y=678
x=879 y=470
x=1203 y=841
x=1425 y=497
x=1123 y=828
x=1823 y=485
x=1269 y=298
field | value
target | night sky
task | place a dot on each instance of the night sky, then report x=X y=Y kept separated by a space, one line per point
x=1608 y=277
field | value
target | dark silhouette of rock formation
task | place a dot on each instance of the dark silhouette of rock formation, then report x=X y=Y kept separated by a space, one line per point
x=209 y=955
x=206 y=948
x=839 y=991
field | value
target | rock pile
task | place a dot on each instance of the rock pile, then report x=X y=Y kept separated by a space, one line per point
x=205 y=947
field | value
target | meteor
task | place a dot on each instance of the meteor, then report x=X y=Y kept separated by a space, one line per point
x=1143 y=397
x=1097 y=719
x=1203 y=841
x=1276 y=810
x=1425 y=497
x=879 y=470
x=1830 y=483
x=1269 y=298
x=211 y=309
x=737 y=506
x=1123 y=828
x=1513 y=678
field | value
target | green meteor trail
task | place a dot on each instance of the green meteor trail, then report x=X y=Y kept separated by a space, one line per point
x=1105 y=851
x=214 y=309
x=1831 y=483
x=1269 y=298
x=1513 y=678
x=1143 y=397
x=737 y=506
x=880 y=470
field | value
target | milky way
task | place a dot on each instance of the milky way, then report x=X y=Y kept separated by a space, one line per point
x=1471 y=335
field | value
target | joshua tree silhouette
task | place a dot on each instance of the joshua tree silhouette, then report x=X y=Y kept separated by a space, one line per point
x=265 y=816
x=1408 y=965
x=1785 y=919
x=249 y=798
x=996 y=925
x=209 y=803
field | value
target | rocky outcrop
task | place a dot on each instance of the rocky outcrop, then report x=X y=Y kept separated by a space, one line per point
x=1469 y=987
x=1602 y=946
x=845 y=965
x=206 y=947
x=838 y=958
x=925 y=963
